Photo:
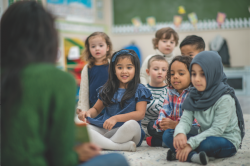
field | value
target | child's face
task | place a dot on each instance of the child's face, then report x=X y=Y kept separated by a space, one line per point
x=180 y=77
x=189 y=50
x=125 y=71
x=98 y=47
x=166 y=46
x=198 y=77
x=158 y=73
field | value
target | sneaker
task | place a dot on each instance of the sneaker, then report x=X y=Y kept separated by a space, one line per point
x=171 y=156
x=203 y=158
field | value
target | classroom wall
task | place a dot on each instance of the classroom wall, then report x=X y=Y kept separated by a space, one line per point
x=238 y=41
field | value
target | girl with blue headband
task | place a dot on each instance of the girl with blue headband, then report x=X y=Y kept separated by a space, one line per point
x=125 y=100
x=213 y=103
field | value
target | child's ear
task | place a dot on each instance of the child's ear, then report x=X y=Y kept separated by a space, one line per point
x=107 y=47
x=147 y=71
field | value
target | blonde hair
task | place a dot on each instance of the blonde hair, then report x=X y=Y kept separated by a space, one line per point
x=156 y=58
x=166 y=34
x=86 y=53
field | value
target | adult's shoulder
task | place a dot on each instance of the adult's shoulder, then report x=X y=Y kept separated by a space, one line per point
x=47 y=75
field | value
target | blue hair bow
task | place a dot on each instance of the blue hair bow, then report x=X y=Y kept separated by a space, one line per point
x=120 y=53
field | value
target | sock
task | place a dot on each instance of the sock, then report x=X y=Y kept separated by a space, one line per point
x=148 y=140
x=200 y=158
x=171 y=156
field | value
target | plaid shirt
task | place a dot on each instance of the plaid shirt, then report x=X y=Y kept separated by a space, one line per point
x=172 y=107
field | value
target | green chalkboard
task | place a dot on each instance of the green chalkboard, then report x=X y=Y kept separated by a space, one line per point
x=164 y=10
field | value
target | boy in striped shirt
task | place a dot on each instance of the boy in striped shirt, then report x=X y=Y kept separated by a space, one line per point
x=157 y=70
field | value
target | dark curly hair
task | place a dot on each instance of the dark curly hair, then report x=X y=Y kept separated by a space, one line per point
x=184 y=59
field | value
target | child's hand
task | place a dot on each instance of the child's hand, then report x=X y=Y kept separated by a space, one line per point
x=180 y=141
x=78 y=111
x=83 y=114
x=87 y=151
x=167 y=123
x=109 y=123
x=182 y=154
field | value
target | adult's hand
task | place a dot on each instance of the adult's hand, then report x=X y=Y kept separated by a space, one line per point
x=86 y=151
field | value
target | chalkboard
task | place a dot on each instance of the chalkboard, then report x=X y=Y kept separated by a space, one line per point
x=164 y=10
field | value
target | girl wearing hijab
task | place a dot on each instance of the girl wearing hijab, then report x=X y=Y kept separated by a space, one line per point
x=213 y=103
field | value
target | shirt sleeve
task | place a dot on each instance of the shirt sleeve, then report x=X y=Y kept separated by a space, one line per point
x=61 y=131
x=185 y=123
x=143 y=74
x=143 y=94
x=83 y=102
x=223 y=113
x=165 y=111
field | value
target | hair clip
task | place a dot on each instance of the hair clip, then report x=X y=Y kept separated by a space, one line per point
x=120 y=53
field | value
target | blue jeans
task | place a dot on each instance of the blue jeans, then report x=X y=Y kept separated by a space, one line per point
x=112 y=159
x=217 y=147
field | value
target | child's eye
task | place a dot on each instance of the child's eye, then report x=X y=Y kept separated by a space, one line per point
x=181 y=74
x=202 y=74
x=129 y=67
x=171 y=74
x=155 y=69
x=163 y=69
x=193 y=74
x=172 y=42
x=191 y=55
x=119 y=68
x=101 y=45
x=92 y=46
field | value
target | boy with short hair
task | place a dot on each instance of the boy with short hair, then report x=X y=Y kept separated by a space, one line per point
x=192 y=45
x=157 y=70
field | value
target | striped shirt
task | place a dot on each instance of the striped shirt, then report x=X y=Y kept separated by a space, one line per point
x=172 y=106
x=156 y=104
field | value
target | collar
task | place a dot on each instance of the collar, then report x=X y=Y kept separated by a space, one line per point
x=167 y=55
x=173 y=91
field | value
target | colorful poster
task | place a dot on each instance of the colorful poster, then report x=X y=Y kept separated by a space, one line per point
x=220 y=18
x=177 y=21
x=72 y=10
x=136 y=21
x=151 y=21
x=181 y=10
x=193 y=18
x=73 y=49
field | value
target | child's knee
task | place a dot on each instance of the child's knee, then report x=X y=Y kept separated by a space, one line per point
x=168 y=135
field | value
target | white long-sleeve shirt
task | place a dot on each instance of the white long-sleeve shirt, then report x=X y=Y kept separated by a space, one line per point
x=145 y=79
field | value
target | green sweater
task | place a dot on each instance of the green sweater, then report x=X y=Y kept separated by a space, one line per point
x=40 y=130
x=220 y=120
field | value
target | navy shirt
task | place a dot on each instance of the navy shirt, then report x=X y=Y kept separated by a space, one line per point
x=141 y=94
x=98 y=76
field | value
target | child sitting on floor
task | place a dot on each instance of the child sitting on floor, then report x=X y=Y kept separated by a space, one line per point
x=157 y=70
x=213 y=103
x=178 y=79
x=125 y=100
